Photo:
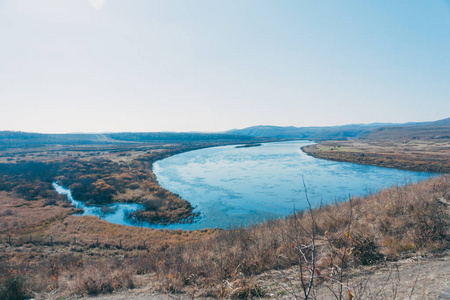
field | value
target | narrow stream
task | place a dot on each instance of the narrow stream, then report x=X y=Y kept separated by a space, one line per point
x=116 y=213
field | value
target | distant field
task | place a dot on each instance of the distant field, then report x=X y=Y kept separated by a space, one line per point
x=413 y=154
x=27 y=140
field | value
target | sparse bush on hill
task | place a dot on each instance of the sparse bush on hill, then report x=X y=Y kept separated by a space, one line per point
x=366 y=252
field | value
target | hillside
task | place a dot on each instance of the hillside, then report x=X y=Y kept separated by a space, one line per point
x=269 y=260
x=428 y=130
x=315 y=133
x=436 y=129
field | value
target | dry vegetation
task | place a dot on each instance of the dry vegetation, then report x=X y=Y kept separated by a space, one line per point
x=395 y=223
x=47 y=252
x=97 y=176
x=409 y=154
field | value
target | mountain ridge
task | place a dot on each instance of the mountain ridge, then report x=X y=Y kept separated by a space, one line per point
x=439 y=129
x=346 y=131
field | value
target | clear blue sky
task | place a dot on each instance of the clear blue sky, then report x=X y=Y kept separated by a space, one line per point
x=141 y=65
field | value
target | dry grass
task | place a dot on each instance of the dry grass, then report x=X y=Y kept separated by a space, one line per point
x=416 y=155
x=87 y=229
x=394 y=223
x=19 y=215
x=97 y=175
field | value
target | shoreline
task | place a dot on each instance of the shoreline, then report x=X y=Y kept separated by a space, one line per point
x=344 y=151
x=185 y=213
x=161 y=206
x=296 y=150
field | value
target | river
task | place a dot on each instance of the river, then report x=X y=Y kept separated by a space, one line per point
x=238 y=186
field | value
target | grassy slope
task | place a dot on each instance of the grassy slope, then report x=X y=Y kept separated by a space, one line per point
x=400 y=222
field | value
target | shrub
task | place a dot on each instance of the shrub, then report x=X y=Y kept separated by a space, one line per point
x=13 y=288
x=153 y=205
x=366 y=252
x=103 y=278
x=248 y=292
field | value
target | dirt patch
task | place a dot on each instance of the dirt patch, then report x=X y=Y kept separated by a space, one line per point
x=414 y=278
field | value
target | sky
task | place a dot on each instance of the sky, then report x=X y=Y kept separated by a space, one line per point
x=191 y=65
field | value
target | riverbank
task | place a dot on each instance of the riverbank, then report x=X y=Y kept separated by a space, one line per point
x=236 y=186
x=415 y=155
x=99 y=175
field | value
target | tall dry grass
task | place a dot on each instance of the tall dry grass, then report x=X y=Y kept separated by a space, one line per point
x=388 y=225
x=395 y=222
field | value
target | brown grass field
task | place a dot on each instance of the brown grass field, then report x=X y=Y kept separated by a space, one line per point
x=417 y=155
x=48 y=253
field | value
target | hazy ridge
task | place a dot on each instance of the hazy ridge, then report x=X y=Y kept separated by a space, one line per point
x=436 y=129
x=26 y=139
x=413 y=130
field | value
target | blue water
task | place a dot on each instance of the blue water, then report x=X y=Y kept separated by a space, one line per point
x=240 y=185
x=234 y=186
x=116 y=213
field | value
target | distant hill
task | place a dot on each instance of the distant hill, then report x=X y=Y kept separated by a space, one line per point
x=436 y=129
x=426 y=130
x=314 y=133
x=10 y=139
x=21 y=139
x=176 y=137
